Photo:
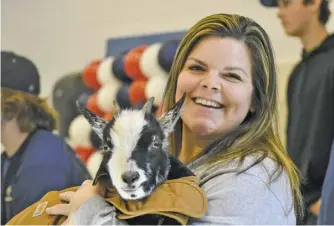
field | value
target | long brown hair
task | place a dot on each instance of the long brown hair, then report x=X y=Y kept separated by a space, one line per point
x=258 y=134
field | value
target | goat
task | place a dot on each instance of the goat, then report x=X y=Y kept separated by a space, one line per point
x=135 y=143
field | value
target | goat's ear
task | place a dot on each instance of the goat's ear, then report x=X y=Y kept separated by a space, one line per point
x=116 y=108
x=147 y=108
x=95 y=121
x=169 y=119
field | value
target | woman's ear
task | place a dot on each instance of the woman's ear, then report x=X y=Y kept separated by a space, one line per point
x=252 y=109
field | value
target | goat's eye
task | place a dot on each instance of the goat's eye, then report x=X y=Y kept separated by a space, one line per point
x=156 y=144
x=105 y=147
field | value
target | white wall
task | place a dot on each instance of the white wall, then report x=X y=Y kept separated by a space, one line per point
x=64 y=35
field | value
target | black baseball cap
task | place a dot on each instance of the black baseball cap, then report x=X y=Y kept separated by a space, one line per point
x=19 y=73
x=274 y=3
x=269 y=3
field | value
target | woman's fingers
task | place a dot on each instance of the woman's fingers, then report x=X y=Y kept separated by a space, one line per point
x=87 y=182
x=60 y=209
x=66 y=196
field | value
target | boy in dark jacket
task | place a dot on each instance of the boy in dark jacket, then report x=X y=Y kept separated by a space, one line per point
x=35 y=161
x=310 y=128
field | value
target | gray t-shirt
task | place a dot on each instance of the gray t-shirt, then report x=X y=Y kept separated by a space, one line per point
x=245 y=198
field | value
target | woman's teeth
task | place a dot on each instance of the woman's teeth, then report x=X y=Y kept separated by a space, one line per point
x=207 y=103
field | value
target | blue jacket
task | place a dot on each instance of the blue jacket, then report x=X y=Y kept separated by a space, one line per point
x=326 y=215
x=43 y=163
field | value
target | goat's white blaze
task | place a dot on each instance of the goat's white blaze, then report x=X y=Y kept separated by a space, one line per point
x=125 y=135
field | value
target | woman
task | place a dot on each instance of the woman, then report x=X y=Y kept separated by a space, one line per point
x=228 y=133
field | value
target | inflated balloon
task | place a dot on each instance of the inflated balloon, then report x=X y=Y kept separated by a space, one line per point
x=155 y=88
x=138 y=106
x=79 y=132
x=149 y=63
x=90 y=75
x=117 y=68
x=93 y=106
x=64 y=98
x=106 y=95
x=93 y=163
x=131 y=63
x=137 y=92
x=84 y=152
x=108 y=116
x=122 y=97
x=167 y=53
x=105 y=74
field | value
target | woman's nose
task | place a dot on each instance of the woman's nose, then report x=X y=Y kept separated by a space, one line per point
x=211 y=81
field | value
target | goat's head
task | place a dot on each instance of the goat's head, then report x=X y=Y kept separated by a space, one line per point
x=136 y=147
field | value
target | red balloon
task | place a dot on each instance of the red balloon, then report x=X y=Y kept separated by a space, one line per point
x=84 y=152
x=108 y=116
x=90 y=75
x=92 y=105
x=131 y=63
x=137 y=92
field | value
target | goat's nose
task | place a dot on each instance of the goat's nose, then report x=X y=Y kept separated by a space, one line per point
x=130 y=177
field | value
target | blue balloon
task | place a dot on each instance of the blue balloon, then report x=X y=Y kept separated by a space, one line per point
x=118 y=69
x=122 y=96
x=167 y=53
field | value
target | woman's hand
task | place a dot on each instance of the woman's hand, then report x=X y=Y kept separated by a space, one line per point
x=75 y=200
x=315 y=207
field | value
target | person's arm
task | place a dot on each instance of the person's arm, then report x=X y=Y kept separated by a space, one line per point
x=86 y=207
x=246 y=199
x=33 y=183
x=96 y=211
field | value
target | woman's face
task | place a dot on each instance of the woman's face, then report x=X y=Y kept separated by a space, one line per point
x=217 y=78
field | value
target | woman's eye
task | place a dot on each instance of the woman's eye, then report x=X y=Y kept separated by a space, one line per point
x=196 y=68
x=232 y=76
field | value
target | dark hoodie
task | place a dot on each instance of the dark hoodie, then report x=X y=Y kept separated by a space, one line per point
x=311 y=116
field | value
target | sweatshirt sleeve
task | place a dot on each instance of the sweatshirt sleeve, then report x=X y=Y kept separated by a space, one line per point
x=96 y=211
x=243 y=199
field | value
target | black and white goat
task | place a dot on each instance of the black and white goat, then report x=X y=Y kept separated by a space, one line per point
x=135 y=142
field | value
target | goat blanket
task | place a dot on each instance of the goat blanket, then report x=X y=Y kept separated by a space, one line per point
x=176 y=200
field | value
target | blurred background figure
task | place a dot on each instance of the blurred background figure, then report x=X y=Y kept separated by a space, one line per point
x=310 y=129
x=66 y=91
x=35 y=160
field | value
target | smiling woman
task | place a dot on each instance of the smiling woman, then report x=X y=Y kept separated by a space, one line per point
x=227 y=134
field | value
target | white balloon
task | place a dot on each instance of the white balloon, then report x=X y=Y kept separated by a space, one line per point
x=106 y=95
x=79 y=131
x=104 y=72
x=93 y=162
x=149 y=63
x=155 y=87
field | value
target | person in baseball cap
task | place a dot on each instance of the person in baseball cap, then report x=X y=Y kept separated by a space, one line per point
x=310 y=109
x=35 y=160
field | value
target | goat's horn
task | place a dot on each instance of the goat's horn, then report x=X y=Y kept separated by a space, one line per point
x=115 y=109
